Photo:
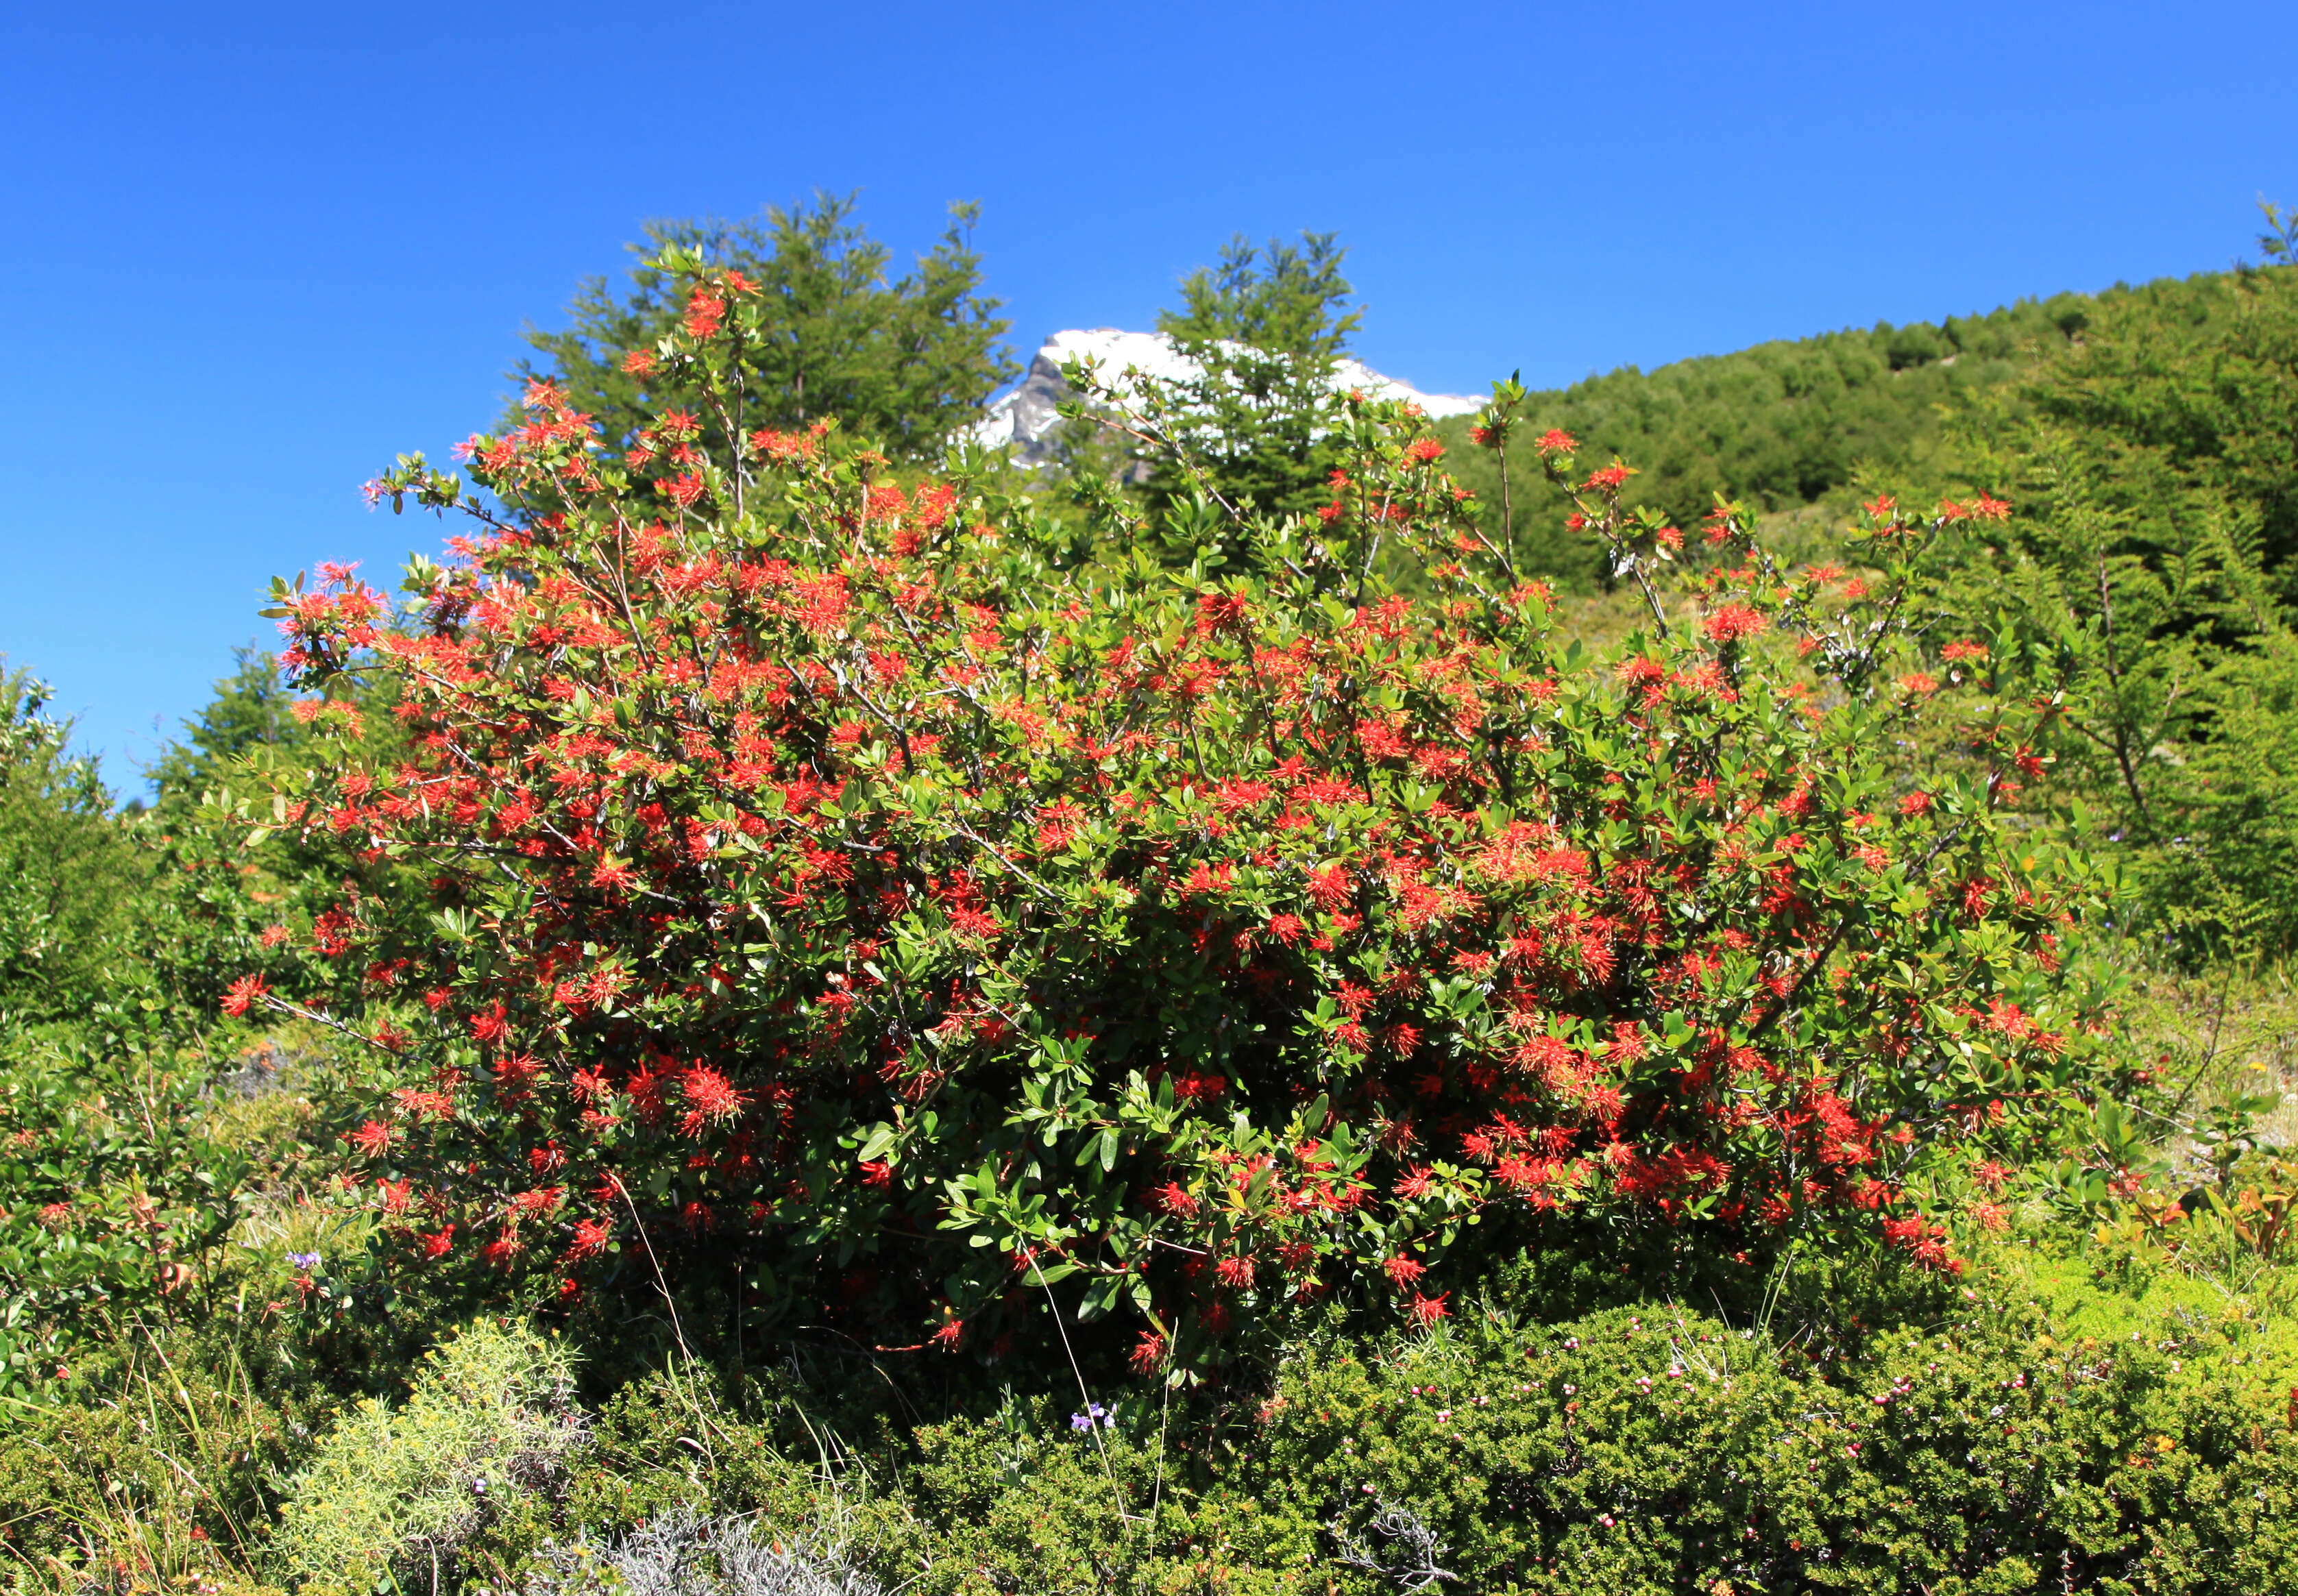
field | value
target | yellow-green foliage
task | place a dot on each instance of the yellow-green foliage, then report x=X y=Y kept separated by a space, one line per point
x=161 y=1474
x=483 y=1438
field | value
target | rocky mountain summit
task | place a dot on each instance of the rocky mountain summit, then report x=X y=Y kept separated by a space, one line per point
x=1024 y=416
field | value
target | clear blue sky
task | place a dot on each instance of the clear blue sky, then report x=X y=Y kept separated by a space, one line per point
x=254 y=250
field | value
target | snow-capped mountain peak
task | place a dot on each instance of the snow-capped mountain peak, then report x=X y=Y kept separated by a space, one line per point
x=1024 y=416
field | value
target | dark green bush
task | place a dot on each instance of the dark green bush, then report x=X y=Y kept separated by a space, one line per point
x=1664 y=1452
x=2005 y=1447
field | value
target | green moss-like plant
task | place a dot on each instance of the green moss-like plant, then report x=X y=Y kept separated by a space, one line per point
x=479 y=1449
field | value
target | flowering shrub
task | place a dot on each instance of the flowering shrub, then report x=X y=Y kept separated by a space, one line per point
x=833 y=876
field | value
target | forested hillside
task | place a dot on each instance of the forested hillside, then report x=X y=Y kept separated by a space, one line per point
x=1790 y=423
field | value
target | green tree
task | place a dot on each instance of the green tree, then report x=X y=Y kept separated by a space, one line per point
x=67 y=867
x=905 y=362
x=1265 y=328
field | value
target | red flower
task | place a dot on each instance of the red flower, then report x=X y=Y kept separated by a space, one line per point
x=1173 y=1200
x=372 y=1138
x=876 y=1172
x=1424 y=449
x=1733 y=621
x=1148 y=1354
x=704 y=312
x=710 y=1098
x=1427 y=1310
x=491 y=1026
x=1555 y=441
x=243 y=993
x=1405 y=1271
x=437 y=1245
x=1237 y=1273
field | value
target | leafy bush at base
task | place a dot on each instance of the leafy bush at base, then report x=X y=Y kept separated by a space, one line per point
x=1628 y=1452
x=682 y=1553
x=2124 y=1435
x=1639 y=1453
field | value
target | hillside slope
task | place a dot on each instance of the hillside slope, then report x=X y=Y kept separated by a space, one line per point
x=1779 y=424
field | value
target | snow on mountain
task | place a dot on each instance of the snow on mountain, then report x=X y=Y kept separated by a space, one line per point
x=1024 y=416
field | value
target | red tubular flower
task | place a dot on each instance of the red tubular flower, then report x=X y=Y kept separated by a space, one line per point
x=1173 y=1200
x=711 y=1095
x=492 y=1026
x=242 y=994
x=372 y=1139
x=1732 y=622
x=1427 y=1310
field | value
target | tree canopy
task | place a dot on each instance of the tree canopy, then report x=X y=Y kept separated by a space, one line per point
x=905 y=362
x=1265 y=328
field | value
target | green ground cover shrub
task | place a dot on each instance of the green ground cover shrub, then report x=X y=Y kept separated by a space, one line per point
x=478 y=1454
x=162 y=1459
x=1663 y=1452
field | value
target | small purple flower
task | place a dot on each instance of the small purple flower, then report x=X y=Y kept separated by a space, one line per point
x=306 y=1261
x=1094 y=1413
